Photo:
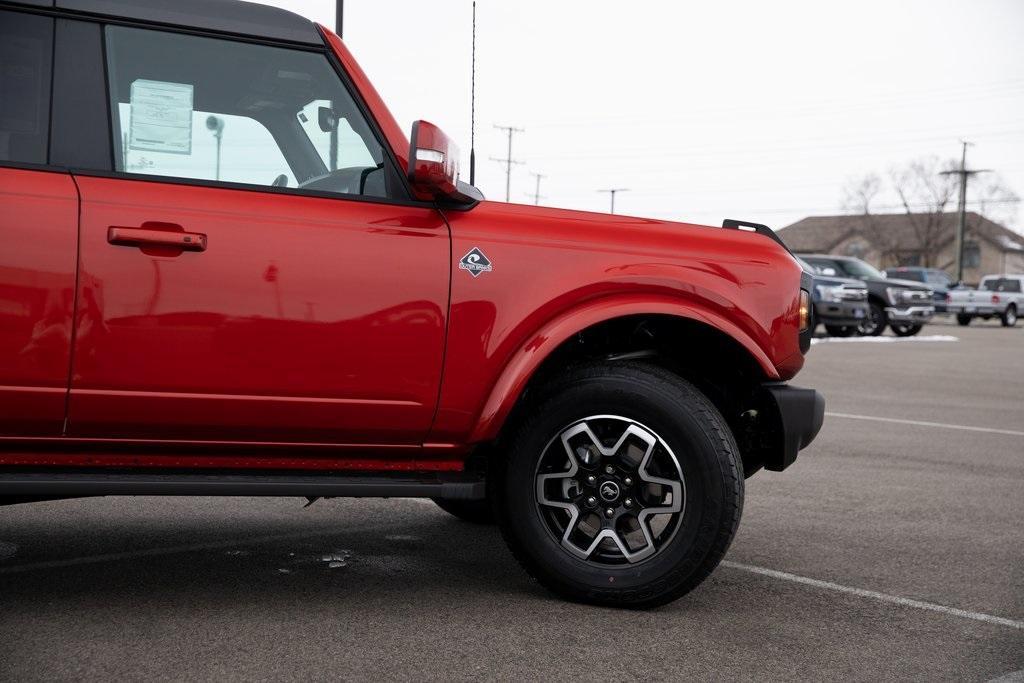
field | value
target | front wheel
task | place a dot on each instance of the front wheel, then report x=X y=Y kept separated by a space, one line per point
x=963 y=320
x=875 y=323
x=1009 y=317
x=623 y=487
x=905 y=329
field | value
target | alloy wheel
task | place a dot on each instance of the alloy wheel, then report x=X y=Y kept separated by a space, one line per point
x=610 y=490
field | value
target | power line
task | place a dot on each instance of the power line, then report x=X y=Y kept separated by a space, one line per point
x=613 y=191
x=508 y=161
x=537 y=196
x=997 y=90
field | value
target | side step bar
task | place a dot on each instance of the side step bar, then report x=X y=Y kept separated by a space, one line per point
x=69 y=484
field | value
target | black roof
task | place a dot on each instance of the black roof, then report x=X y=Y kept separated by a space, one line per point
x=228 y=16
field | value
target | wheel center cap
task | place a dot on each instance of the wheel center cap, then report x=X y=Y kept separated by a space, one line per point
x=609 y=491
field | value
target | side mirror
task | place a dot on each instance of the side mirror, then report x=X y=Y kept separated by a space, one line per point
x=434 y=166
x=327 y=119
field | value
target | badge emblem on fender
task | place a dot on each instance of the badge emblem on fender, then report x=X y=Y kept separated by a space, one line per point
x=475 y=262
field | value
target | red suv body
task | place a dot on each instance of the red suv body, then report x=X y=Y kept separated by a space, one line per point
x=225 y=270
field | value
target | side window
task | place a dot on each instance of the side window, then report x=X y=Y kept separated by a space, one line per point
x=972 y=255
x=210 y=109
x=26 y=58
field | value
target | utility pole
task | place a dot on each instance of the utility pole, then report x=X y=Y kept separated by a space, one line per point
x=537 y=196
x=215 y=125
x=332 y=153
x=612 y=192
x=508 y=161
x=961 y=227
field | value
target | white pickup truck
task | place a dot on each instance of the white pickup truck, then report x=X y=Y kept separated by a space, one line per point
x=999 y=296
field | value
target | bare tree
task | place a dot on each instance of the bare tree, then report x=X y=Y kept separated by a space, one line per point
x=995 y=200
x=858 y=196
x=926 y=195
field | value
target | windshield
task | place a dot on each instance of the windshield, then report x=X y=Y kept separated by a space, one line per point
x=915 y=275
x=808 y=268
x=857 y=268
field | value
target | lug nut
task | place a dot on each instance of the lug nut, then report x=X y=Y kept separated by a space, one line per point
x=591 y=480
x=609 y=512
x=609 y=469
x=628 y=502
x=591 y=501
x=628 y=481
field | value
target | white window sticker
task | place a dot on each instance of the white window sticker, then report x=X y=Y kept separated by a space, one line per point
x=161 y=117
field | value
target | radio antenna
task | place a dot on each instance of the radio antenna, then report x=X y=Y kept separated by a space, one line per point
x=472 y=108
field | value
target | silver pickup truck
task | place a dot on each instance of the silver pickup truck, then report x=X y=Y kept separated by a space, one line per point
x=997 y=296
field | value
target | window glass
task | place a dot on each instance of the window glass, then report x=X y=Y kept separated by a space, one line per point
x=857 y=268
x=999 y=284
x=220 y=110
x=824 y=266
x=915 y=275
x=972 y=255
x=26 y=54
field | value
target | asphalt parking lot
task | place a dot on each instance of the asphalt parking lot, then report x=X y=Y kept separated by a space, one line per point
x=893 y=548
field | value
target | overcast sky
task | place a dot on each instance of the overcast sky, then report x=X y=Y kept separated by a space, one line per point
x=703 y=110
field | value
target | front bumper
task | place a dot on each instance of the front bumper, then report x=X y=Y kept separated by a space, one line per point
x=910 y=314
x=841 y=313
x=798 y=416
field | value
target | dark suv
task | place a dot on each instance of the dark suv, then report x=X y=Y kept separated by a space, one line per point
x=937 y=279
x=903 y=305
x=840 y=303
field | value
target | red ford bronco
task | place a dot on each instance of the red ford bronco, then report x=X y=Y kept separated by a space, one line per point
x=226 y=271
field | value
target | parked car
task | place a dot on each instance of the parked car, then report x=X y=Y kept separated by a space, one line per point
x=997 y=296
x=937 y=279
x=840 y=304
x=226 y=271
x=903 y=305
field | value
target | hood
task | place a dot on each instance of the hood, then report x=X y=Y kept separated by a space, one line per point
x=833 y=281
x=906 y=284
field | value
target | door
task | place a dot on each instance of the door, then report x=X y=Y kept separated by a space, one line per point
x=38 y=231
x=252 y=271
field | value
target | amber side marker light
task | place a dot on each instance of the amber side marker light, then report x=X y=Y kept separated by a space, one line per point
x=805 y=310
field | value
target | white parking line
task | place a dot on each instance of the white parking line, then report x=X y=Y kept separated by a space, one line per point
x=923 y=423
x=875 y=595
x=885 y=340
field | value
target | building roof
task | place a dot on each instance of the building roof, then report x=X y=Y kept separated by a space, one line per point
x=227 y=16
x=823 y=234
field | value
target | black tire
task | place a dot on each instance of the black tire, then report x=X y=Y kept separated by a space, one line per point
x=710 y=472
x=841 y=330
x=473 y=511
x=963 y=320
x=905 y=329
x=1009 y=316
x=875 y=323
